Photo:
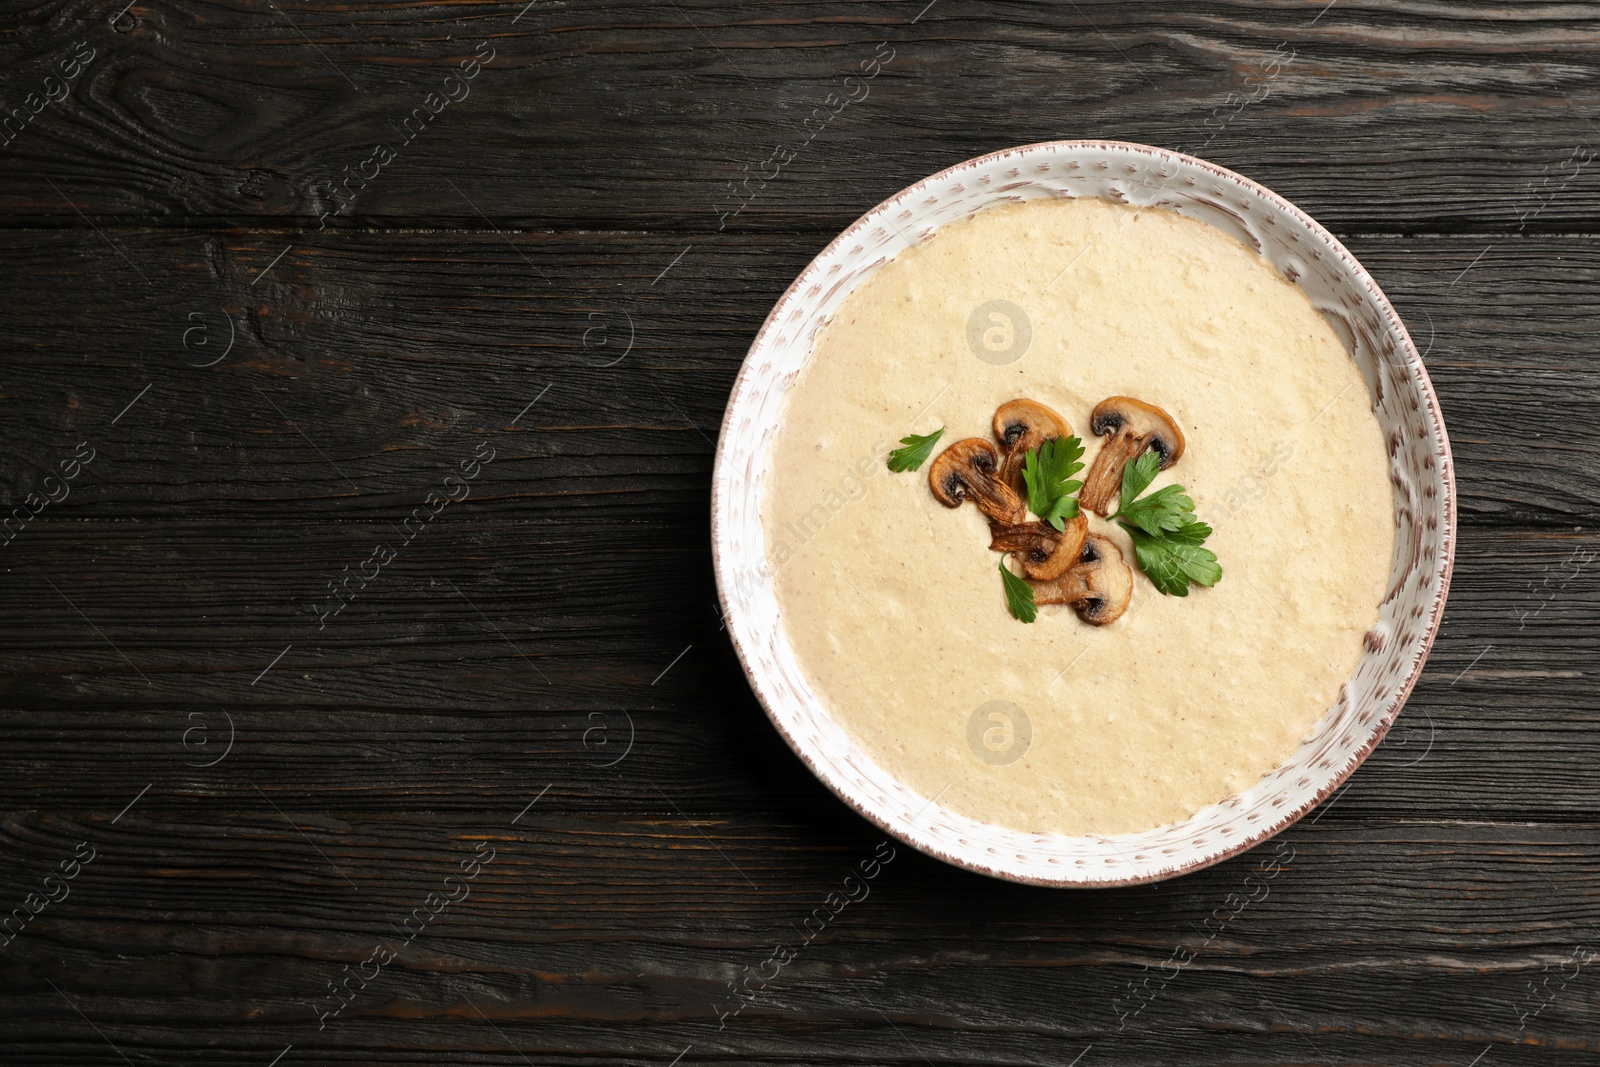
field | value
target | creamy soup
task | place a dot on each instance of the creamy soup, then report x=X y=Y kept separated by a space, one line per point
x=893 y=602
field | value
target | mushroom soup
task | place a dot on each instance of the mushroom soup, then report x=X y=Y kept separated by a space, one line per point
x=1099 y=320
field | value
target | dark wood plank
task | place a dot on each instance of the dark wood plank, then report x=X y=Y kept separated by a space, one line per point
x=364 y=367
x=615 y=940
x=624 y=113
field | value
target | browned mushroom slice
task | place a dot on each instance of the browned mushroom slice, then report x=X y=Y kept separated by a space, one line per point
x=1030 y=540
x=1134 y=427
x=971 y=468
x=1067 y=553
x=1021 y=425
x=1045 y=552
x=1099 y=586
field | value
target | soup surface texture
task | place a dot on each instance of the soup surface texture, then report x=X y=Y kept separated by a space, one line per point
x=894 y=605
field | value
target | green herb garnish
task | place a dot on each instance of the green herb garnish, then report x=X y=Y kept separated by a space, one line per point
x=1047 y=471
x=1174 y=560
x=915 y=454
x=1019 y=595
x=1167 y=538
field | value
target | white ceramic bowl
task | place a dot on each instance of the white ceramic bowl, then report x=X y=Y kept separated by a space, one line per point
x=1402 y=397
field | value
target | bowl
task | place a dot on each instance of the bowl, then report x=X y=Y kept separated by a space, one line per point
x=1403 y=399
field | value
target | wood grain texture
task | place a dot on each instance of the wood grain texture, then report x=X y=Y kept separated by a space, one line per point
x=633 y=966
x=1392 y=116
x=556 y=239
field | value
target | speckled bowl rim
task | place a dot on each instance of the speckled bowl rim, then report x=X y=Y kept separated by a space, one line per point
x=1445 y=565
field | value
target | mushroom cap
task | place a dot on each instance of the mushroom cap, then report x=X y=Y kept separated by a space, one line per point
x=971 y=468
x=1099 y=586
x=1025 y=424
x=1130 y=415
x=1022 y=425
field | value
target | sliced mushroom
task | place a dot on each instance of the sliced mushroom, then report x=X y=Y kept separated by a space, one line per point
x=1031 y=540
x=1134 y=428
x=971 y=468
x=1099 y=586
x=1045 y=552
x=1021 y=425
x=1068 y=551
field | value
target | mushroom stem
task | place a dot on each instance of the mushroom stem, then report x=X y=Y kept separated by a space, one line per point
x=1103 y=483
x=1029 y=539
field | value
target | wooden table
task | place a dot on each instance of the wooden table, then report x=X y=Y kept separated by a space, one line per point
x=365 y=699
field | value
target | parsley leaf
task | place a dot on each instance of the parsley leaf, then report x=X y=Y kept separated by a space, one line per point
x=1019 y=595
x=1137 y=476
x=916 y=453
x=1167 y=538
x=1047 y=471
x=1163 y=511
x=1192 y=532
x=1175 y=560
